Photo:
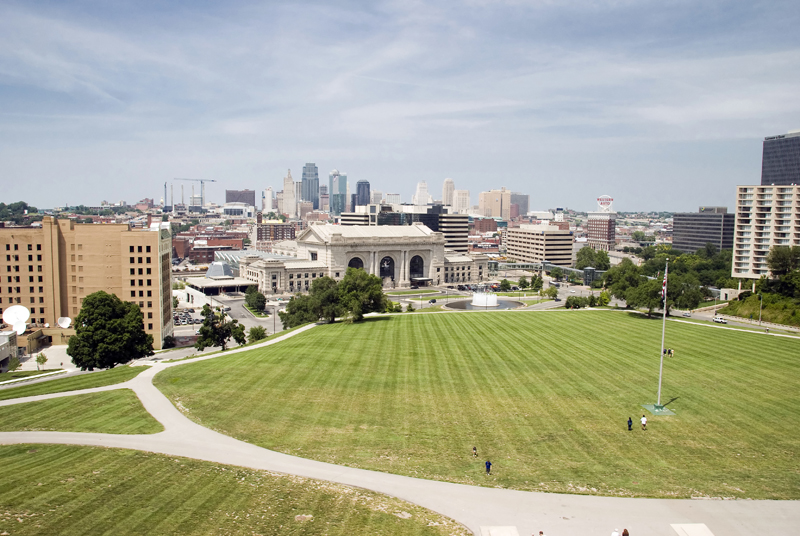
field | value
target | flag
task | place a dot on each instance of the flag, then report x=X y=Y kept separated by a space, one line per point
x=664 y=285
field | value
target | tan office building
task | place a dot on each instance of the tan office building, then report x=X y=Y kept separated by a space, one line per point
x=537 y=243
x=50 y=269
x=495 y=204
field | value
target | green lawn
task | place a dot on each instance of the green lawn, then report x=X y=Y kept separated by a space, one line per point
x=85 y=381
x=110 y=412
x=17 y=374
x=544 y=395
x=412 y=292
x=67 y=490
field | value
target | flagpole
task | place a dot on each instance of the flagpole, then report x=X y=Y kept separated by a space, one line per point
x=663 y=330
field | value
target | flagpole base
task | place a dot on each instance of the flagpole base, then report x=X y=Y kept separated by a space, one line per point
x=656 y=409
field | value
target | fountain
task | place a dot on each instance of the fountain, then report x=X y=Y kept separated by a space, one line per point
x=483 y=298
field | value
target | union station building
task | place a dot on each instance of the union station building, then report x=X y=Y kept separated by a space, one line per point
x=402 y=256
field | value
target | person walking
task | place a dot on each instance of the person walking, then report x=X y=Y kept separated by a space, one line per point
x=625 y=532
x=644 y=422
x=630 y=424
x=615 y=533
x=474 y=452
x=488 y=467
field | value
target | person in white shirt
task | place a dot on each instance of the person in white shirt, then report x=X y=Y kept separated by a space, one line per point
x=644 y=426
x=616 y=531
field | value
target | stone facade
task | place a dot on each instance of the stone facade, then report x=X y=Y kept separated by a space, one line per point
x=401 y=256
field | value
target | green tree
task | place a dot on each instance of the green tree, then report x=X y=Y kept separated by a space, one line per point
x=505 y=285
x=604 y=298
x=361 y=293
x=325 y=291
x=41 y=359
x=217 y=330
x=622 y=277
x=523 y=282
x=300 y=310
x=556 y=273
x=585 y=257
x=601 y=260
x=255 y=301
x=108 y=331
x=638 y=236
x=551 y=292
x=783 y=259
x=175 y=302
x=536 y=283
x=647 y=295
x=169 y=342
x=256 y=333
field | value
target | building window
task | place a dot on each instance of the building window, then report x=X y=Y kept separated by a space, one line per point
x=39 y=268
x=149 y=271
x=16 y=247
x=33 y=300
x=291 y=276
x=149 y=315
x=139 y=249
x=149 y=326
x=149 y=304
x=30 y=258
x=141 y=282
x=30 y=247
x=131 y=249
x=140 y=260
x=313 y=256
x=133 y=271
x=41 y=310
x=141 y=294
x=133 y=259
x=149 y=282
x=133 y=294
x=141 y=305
x=148 y=260
x=337 y=274
x=306 y=276
x=133 y=282
x=30 y=268
x=147 y=249
x=41 y=299
x=40 y=279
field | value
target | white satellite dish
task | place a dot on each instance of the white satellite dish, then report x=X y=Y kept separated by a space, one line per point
x=46 y=325
x=20 y=327
x=64 y=322
x=16 y=314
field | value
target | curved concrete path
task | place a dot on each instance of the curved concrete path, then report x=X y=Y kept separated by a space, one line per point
x=476 y=507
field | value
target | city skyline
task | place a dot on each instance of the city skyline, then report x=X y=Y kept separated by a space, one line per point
x=664 y=107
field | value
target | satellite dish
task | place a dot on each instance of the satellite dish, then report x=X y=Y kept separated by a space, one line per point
x=20 y=327
x=46 y=325
x=64 y=322
x=16 y=314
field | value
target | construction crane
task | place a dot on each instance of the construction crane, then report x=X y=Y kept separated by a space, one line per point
x=202 y=188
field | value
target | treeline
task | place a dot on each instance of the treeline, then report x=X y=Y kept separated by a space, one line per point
x=357 y=294
x=776 y=299
x=16 y=212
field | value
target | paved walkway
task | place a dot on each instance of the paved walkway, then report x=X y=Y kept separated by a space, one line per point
x=476 y=507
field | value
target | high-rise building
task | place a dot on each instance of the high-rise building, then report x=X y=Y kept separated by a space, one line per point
x=52 y=268
x=709 y=225
x=766 y=216
x=521 y=200
x=247 y=197
x=376 y=197
x=495 y=204
x=421 y=197
x=393 y=199
x=448 y=192
x=780 y=161
x=602 y=225
x=266 y=199
x=461 y=201
x=289 y=199
x=362 y=193
x=537 y=243
x=310 y=184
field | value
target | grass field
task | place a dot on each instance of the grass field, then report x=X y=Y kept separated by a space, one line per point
x=17 y=374
x=68 y=490
x=545 y=396
x=110 y=412
x=84 y=381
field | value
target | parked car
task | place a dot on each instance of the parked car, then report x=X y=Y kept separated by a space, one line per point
x=720 y=320
x=432 y=301
x=414 y=287
x=687 y=314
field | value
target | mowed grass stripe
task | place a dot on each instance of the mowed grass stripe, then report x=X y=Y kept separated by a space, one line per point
x=110 y=412
x=545 y=395
x=100 y=378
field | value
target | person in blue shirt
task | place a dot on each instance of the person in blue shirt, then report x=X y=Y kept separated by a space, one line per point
x=488 y=467
x=630 y=424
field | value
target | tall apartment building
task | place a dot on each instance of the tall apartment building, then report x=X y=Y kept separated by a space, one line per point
x=780 y=161
x=448 y=192
x=248 y=197
x=766 y=216
x=537 y=243
x=393 y=199
x=602 y=225
x=461 y=201
x=52 y=268
x=310 y=184
x=693 y=230
x=375 y=197
x=266 y=199
x=495 y=204
x=289 y=199
x=337 y=192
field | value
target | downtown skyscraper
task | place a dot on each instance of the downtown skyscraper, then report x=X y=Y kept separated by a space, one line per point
x=309 y=189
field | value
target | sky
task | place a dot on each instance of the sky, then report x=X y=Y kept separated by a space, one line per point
x=661 y=105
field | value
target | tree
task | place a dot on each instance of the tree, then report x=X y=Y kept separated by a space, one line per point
x=505 y=285
x=646 y=295
x=361 y=293
x=523 y=282
x=536 y=283
x=169 y=342
x=592 y=300
x=622 y=277
x=41 y=359
x=108 y=331
x=551 y=292
x=300 y=310
x=256 y=301
x=601 y=261
x=325 y=292
x=256 y=333
x=585 y=257
x=783 y=259
x=175 y=302
x=638 y=236
x=604 y=298
x=217 y=330
x=556 y=273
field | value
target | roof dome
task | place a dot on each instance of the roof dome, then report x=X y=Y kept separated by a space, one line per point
x=219 y=270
